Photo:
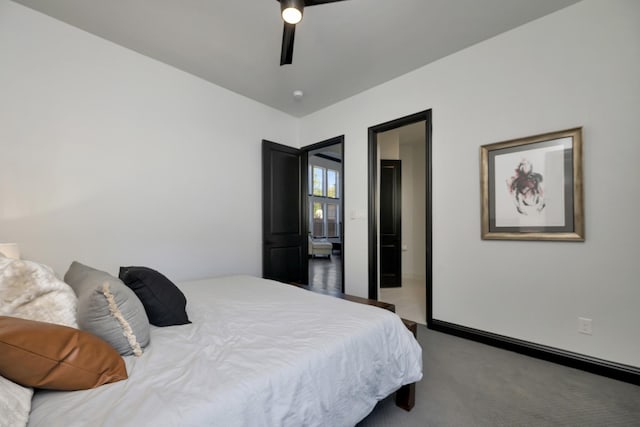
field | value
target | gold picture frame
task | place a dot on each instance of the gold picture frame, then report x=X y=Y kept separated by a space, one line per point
x=532 y=188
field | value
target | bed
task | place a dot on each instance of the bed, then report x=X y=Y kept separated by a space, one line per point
x=257 y=353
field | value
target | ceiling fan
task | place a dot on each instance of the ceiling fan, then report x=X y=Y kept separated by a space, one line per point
x=292 y=14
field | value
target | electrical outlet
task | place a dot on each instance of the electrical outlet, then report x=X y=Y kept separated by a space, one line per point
x=585 y=326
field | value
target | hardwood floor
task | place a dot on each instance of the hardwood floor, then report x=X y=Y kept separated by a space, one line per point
x=326 y=273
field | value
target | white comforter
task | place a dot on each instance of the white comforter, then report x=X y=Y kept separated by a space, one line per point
x=258 y=353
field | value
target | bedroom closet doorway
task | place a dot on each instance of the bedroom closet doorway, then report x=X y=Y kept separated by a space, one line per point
x=400 y=248
x=325 y=207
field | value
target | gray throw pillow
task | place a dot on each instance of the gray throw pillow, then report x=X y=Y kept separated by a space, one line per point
x=109 y=309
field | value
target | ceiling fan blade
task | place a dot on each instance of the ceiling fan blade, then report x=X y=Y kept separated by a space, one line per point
x=315 y=2
x=288 y=35
x=286 y=55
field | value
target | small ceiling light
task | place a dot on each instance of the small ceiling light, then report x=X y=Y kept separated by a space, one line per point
x=291 y=10
x=298 y=94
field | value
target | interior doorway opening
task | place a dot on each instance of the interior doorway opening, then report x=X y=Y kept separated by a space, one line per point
x=400 y=215
x=325 y=214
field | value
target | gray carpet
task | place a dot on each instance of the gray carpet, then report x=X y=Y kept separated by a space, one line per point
x=471 y=384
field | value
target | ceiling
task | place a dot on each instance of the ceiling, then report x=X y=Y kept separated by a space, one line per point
x=341 y=48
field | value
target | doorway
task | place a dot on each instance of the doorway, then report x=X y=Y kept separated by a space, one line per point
x=291 y=235
x=325 y=207
x=407 y=143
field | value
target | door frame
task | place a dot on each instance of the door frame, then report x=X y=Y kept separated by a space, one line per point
x=305 y=195
x=373 y=214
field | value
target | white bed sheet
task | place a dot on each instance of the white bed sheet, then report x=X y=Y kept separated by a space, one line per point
x=258 y=353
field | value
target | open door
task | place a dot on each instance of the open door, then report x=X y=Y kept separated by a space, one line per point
x=390 y=224
x=284 y=240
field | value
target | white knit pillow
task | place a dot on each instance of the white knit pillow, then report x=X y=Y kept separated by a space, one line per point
x=15 y=403
x=32 y=291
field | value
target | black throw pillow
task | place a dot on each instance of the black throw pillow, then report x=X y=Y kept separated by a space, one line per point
x=162 y=300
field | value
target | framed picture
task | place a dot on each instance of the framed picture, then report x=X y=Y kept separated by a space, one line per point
x=532 y=188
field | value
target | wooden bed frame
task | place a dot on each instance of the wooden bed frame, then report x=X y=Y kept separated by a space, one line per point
x=406 y=395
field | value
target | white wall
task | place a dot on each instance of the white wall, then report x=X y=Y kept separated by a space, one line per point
x=112 y=158
x=576 y=67
x=412 y=156
x=388 y=146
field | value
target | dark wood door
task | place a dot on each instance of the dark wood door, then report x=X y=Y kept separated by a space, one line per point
x=390 y=223
x=284 y=240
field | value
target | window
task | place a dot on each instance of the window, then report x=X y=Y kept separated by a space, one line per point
x=324 y=182
x=318 y=181
x=332 y=183
x=325 y=221
x=332 y=220
x=324 y=208
x=318 y=219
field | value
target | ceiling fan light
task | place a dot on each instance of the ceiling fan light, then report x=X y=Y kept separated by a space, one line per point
x=292 y=11
x=292 y=15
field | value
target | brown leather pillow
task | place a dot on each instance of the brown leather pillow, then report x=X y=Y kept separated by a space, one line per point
x=56 y=357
